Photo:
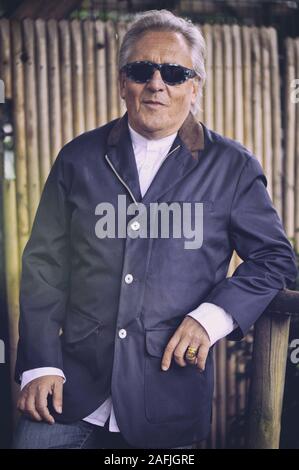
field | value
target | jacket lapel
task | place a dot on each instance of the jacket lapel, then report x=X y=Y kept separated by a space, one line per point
x=182 y=158
x=121 y=155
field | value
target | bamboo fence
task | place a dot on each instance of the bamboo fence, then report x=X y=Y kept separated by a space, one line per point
x=61 y=77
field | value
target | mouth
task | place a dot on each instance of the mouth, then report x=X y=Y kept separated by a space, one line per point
x=153 y=104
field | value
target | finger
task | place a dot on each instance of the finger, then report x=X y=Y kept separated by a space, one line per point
x=195 y=346
x=180 y=351
x=42 y=405
x=57 y=396
x=168 y=353
x=30 y=408
x=202 y=356
x=21 y=404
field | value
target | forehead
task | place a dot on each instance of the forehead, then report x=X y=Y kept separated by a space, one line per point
x=161 y=47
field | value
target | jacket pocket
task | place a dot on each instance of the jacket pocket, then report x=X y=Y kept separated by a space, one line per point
x=81 y=339
x=79 y=326
x=181 y=393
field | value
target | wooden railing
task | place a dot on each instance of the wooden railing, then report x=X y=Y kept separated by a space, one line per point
x=268 y=371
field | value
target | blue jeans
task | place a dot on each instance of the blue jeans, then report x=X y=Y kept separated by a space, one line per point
x=80 y=435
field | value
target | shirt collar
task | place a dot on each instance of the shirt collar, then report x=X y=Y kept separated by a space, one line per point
x=139 y=141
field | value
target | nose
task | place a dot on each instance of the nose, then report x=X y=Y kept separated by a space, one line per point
x=156 y=83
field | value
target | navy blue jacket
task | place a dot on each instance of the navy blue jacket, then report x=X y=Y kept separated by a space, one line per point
x=75 y=303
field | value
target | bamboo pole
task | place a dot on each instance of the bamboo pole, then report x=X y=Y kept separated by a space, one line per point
x=236 y=389
x=218 y=106
x=221 y=393
x=267 y=109
x=228 y=82
x=290 y=116
x=5 y=58
x=238 y=134
x=213 y=434
x=257 y=95
x=231 y=368
x=267 y=385
x=218 y=79
x=297 y=154
x=31 y=120
x=78 y=86
x=208 y=95
x=66 y=81
x=42 y=101
x=249 y=342
x=231 y=361
x=12 y=270
x=121 y=29
x=54 y=89
x=20 y=136
x=101 y=85
x=247 y=87
x=89 y=74
x=112 y=84
x=229 y=132
x=200 y=115
x=276 y=121
x=12 y=267
x=238 y=84
x=241 y=383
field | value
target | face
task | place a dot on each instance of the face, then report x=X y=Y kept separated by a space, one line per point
x=156 y=109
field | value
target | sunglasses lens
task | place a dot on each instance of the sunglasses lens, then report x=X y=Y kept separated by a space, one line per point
x=140 y=73
x=173 y=74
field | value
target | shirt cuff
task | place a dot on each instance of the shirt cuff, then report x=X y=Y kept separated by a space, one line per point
x=32 y=374
x=214 y=319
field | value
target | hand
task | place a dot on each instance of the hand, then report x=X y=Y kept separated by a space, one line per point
x=33 y=398
x=189 y=333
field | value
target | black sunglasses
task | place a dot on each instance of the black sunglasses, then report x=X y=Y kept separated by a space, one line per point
x=143 y=71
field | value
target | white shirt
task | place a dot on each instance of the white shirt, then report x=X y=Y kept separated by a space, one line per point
x=149 y=155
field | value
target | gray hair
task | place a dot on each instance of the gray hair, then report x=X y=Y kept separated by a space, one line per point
x=164 y=20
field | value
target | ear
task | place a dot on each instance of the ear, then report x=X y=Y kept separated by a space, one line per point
x=195 y=89
x=122 y=84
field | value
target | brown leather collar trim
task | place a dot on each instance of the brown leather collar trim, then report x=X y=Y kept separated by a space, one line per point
x=191 y=133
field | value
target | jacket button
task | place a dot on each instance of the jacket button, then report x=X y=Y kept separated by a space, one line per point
x=135 y=225
x=128 y=278
x=122 y=333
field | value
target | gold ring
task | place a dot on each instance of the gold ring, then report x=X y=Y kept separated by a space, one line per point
x=191 y=353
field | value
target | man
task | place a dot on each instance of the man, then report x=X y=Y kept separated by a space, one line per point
x=116 y=330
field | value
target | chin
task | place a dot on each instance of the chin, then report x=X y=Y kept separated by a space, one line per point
x=153 y=123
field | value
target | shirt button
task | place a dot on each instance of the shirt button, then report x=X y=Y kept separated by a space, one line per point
x=128 y=278
x=135 y=225
x=122 y=333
